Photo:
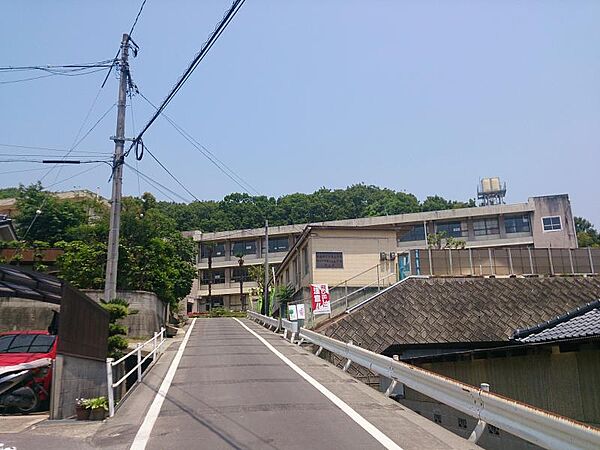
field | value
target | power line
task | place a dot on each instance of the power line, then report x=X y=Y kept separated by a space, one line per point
x=136 y=18
x=155 y=183
x=54 y=149
x=49 y=67
x=169 y=172
x=51 y=75
x=20 y=171
x=221 y=26
x=207 y=153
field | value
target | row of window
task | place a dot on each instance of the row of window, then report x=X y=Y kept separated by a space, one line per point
x=218 y=275
x=246 y=247
x=482 y=227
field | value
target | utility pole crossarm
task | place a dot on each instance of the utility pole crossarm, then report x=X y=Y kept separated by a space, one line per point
x=110 y=286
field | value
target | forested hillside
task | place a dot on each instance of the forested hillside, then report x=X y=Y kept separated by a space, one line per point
x=238 y=211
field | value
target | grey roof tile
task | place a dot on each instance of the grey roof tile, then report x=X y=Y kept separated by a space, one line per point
x=452 y=310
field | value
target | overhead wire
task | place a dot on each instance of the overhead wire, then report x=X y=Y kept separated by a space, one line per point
x=21 y=80
x=214 y=36
x=155 y=183
x=54 y=149
x=170 y=173
x=229 y=172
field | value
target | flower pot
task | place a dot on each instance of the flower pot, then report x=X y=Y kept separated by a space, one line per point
x=97 y=414
x=82 y=412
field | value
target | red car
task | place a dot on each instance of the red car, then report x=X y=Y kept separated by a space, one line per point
x=18 y=347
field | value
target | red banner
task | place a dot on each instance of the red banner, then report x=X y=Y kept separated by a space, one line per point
x=320 y=299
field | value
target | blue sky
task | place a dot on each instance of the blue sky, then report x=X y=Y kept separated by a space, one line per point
x=421 y=96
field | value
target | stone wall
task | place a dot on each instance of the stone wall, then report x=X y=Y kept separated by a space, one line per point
x=152 y=311
x=75 y=377
x=25 y=314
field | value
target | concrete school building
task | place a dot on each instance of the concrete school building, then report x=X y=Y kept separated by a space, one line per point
x=358 y=252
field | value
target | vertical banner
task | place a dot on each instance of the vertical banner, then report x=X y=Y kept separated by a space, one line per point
x=293 y=312
x=320 y=299
x=301 y=312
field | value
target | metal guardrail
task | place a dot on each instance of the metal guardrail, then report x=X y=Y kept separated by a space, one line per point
x=271 y=321
x=534 y=425
x=157 y=341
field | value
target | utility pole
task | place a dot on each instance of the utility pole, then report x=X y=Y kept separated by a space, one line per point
x=266 y=289
x=110 y=286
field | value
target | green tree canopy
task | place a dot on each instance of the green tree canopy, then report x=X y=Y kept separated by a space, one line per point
x=587 y=236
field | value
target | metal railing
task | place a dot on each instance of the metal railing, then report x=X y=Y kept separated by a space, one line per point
x=524 y=421
x=527 y=422
x=156 y=341
x=378 y=282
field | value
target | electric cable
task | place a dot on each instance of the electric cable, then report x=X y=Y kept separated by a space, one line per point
x=54 y=149
x=221 y=26
x=169 y=172
x=50 y=75
x=155 y=183
x=207 y=153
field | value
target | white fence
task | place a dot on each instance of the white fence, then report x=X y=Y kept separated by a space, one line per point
x=531 y=424
x=155 y=342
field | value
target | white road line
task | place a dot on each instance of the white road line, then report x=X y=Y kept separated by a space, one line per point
x=360 y=420
x=143 y=434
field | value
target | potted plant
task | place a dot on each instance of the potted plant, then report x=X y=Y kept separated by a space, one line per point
x=98 y=407
x=81 y=409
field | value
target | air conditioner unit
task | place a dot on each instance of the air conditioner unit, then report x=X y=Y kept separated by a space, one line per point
x=392 y=256
x=383 y=256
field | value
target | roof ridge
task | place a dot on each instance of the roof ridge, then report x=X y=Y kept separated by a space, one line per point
x=521 y=333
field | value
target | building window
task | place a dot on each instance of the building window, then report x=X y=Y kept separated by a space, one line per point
x=218 y=276
x=517 y=224
x=278 y=244
x=551 y=223
x=485 y=227
x=240 y=274
x=243 y=248
x=305 y=260
x=415 y=233
x=453 y=229
x=218 y=249
x=330 y=260
x=287 y=276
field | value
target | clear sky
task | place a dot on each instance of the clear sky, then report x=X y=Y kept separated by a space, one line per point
x=421 y=96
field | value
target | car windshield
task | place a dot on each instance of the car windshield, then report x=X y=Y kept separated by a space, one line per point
x=26 y=343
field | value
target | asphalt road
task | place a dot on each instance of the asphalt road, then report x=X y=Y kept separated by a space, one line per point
x=231 y=391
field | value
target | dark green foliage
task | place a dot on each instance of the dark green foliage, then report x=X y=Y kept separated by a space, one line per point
x=10 y=192
x=115 y=329
x=587 y=236
x=117 y=308
x=56 y=217
x=116 y=346
x=238 y=211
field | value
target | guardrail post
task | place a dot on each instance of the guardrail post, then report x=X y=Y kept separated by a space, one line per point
x=163 y=332
x=109 y=385
x=348 y=362
x=139 y=363
x=154 y=345
x=293 y=337
x=480 y=427
x=319 y=350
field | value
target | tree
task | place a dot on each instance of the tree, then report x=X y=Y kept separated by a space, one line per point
x=153 y=255
x=443 y=241
x=43 y=217
x=587 y=236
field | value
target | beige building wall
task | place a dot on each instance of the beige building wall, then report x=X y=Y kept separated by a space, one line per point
x=360 y=250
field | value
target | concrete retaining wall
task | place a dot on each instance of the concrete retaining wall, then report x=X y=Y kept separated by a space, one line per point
x=25 y=314
x=73 y=378
x=151 y=311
